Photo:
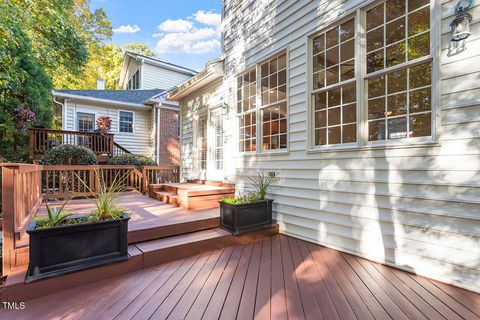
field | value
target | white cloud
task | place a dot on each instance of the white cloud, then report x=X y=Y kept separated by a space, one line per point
x=210 y=18
x=179 y=25
x=197 y=34
x=127 y=29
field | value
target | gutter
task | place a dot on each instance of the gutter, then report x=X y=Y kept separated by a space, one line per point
x=128 y=104
x=209 y=74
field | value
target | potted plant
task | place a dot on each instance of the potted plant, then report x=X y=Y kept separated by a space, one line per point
x=62 y=243
x=251 y=211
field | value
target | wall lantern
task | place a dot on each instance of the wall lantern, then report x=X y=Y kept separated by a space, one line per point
x=461 y=24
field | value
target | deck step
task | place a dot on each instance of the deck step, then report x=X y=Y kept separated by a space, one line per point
x=193 y=195
x=176 y=247
x=141 y=255
x=166 y=197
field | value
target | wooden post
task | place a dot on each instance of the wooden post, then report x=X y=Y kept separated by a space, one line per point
x=145 y=181
x=8 y=221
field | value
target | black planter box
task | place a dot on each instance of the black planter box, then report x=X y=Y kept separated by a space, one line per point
x=244 y=218
x=66 y=249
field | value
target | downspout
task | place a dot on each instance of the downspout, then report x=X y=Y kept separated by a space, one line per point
x=158 y=134
x=64 y=111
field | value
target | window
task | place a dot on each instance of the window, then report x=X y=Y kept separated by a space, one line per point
x=126 y=121
x=202 y=142
x=217 y=149
x=274 y=103
x=334 y=85
x=85 y=122
x=271 y=113
x=394 y=72
x=246 y=108
x=134 y=82
x=399 y=101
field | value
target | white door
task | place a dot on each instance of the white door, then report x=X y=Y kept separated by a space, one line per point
x=215 y=145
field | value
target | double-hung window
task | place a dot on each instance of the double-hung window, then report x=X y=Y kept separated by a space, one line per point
x=262 y=100
x=126 y=121
x=247 y=110
x=390 y=61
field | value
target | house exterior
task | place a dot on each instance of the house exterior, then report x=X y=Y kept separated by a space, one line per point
x=143 y=121
x=142 y=72
x=368 y=112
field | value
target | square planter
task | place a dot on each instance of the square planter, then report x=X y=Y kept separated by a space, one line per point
x=66 y=249
x=244 y=218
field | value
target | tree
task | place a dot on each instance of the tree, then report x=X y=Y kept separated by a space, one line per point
x=139 y=48
x=24 y=85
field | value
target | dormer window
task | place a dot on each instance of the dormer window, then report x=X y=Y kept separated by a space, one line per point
x=134 y=82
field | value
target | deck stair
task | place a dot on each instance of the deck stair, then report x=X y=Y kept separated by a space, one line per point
x=192 y=195
x=149 y=245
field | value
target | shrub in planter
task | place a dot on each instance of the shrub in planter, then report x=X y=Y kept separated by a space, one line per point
x=67 y=154
x=251 y=211
x=130 y=159
x=62 y=243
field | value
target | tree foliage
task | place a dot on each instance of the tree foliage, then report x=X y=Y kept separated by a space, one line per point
x=139 y=48
x=45 y=43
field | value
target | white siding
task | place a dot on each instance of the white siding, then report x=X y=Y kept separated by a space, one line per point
x=139 y=143
x=416 y=208
x=154 y=77
x=195 y=104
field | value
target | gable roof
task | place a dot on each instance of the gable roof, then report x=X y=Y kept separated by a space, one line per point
x=164 y=63
x=122 y=96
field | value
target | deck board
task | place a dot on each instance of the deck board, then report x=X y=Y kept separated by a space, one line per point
x=270 y=279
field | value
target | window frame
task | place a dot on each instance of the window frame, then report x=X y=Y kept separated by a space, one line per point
x=133 y=122
x=199 y=148
x=259 y=125
x=361 y=78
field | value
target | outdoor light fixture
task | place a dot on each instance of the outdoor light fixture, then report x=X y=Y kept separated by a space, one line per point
x=461 y=24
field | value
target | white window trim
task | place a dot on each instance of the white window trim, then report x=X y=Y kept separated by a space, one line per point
x=359 y=12
x=259 y=130
x=133 y=123
x=94 y=113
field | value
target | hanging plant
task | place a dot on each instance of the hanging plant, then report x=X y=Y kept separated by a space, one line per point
x=104 y=124
x=24 y=118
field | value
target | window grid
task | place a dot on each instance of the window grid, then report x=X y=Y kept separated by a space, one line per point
x=126 y=122
x=248 y=132
x=217 y=150
x=334 y=93
x=335 y=115
x=202 y=142
x=273 y=103
x=399 y=110
x=334 y=55
x=400 y=31
x=395 y=40
x=246 y=109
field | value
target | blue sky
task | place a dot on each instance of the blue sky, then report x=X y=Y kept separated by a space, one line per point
x=184 y=32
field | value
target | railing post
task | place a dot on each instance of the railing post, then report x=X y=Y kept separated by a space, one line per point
x=145 y=181
x=8 y=221
x=32 y=143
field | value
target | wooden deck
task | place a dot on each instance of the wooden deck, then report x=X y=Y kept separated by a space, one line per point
x=148 y=216
x=275 y=278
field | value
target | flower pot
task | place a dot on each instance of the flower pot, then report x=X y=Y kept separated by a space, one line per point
x=244 y=218
x=70 y=248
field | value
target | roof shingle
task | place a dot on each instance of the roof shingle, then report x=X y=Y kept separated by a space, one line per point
x=128 y=96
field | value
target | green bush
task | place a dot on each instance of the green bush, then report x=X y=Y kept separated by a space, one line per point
x=130 y=159
x=67 y=154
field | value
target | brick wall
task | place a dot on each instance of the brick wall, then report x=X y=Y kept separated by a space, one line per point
x=169 y=140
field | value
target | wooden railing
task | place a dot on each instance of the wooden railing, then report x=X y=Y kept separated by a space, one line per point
x=21 y=197
x=66 y=181
x=24 y=187
x=42 y=140
x=118 y=149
